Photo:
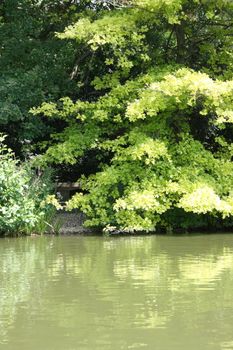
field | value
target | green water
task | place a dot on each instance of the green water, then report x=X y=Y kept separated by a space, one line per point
x=153 y=292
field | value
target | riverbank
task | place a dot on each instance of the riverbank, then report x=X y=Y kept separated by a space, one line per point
x=72 y=223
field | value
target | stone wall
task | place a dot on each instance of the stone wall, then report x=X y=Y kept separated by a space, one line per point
x=70 y=223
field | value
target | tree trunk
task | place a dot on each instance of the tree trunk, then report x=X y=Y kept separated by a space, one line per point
x=180 y=39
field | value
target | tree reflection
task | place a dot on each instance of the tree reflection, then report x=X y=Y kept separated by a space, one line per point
x=106 y=284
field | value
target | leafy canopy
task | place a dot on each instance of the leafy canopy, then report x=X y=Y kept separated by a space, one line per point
x=156 y=109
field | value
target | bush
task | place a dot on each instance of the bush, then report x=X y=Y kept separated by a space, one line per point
x=24 y=207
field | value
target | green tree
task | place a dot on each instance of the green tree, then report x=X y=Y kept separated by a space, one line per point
x=155 y=109
x=35 y=66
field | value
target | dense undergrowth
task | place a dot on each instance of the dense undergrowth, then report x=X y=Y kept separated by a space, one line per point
x=25 y=200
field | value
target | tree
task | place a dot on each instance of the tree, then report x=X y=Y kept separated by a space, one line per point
x=155 y=108
x=35 y=66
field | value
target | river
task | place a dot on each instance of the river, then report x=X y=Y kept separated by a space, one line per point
x=142 y=292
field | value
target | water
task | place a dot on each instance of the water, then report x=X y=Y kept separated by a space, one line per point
x=90 y=293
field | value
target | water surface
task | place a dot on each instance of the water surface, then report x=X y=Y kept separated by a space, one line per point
x=90 y=293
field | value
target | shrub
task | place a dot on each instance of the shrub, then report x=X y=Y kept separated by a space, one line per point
x=23 y=205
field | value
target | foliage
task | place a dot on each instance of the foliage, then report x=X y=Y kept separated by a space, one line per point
x=23 y=196
x=157 y=110
x=35 y=66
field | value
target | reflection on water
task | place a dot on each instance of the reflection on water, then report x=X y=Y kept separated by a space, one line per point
x=149 y=292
